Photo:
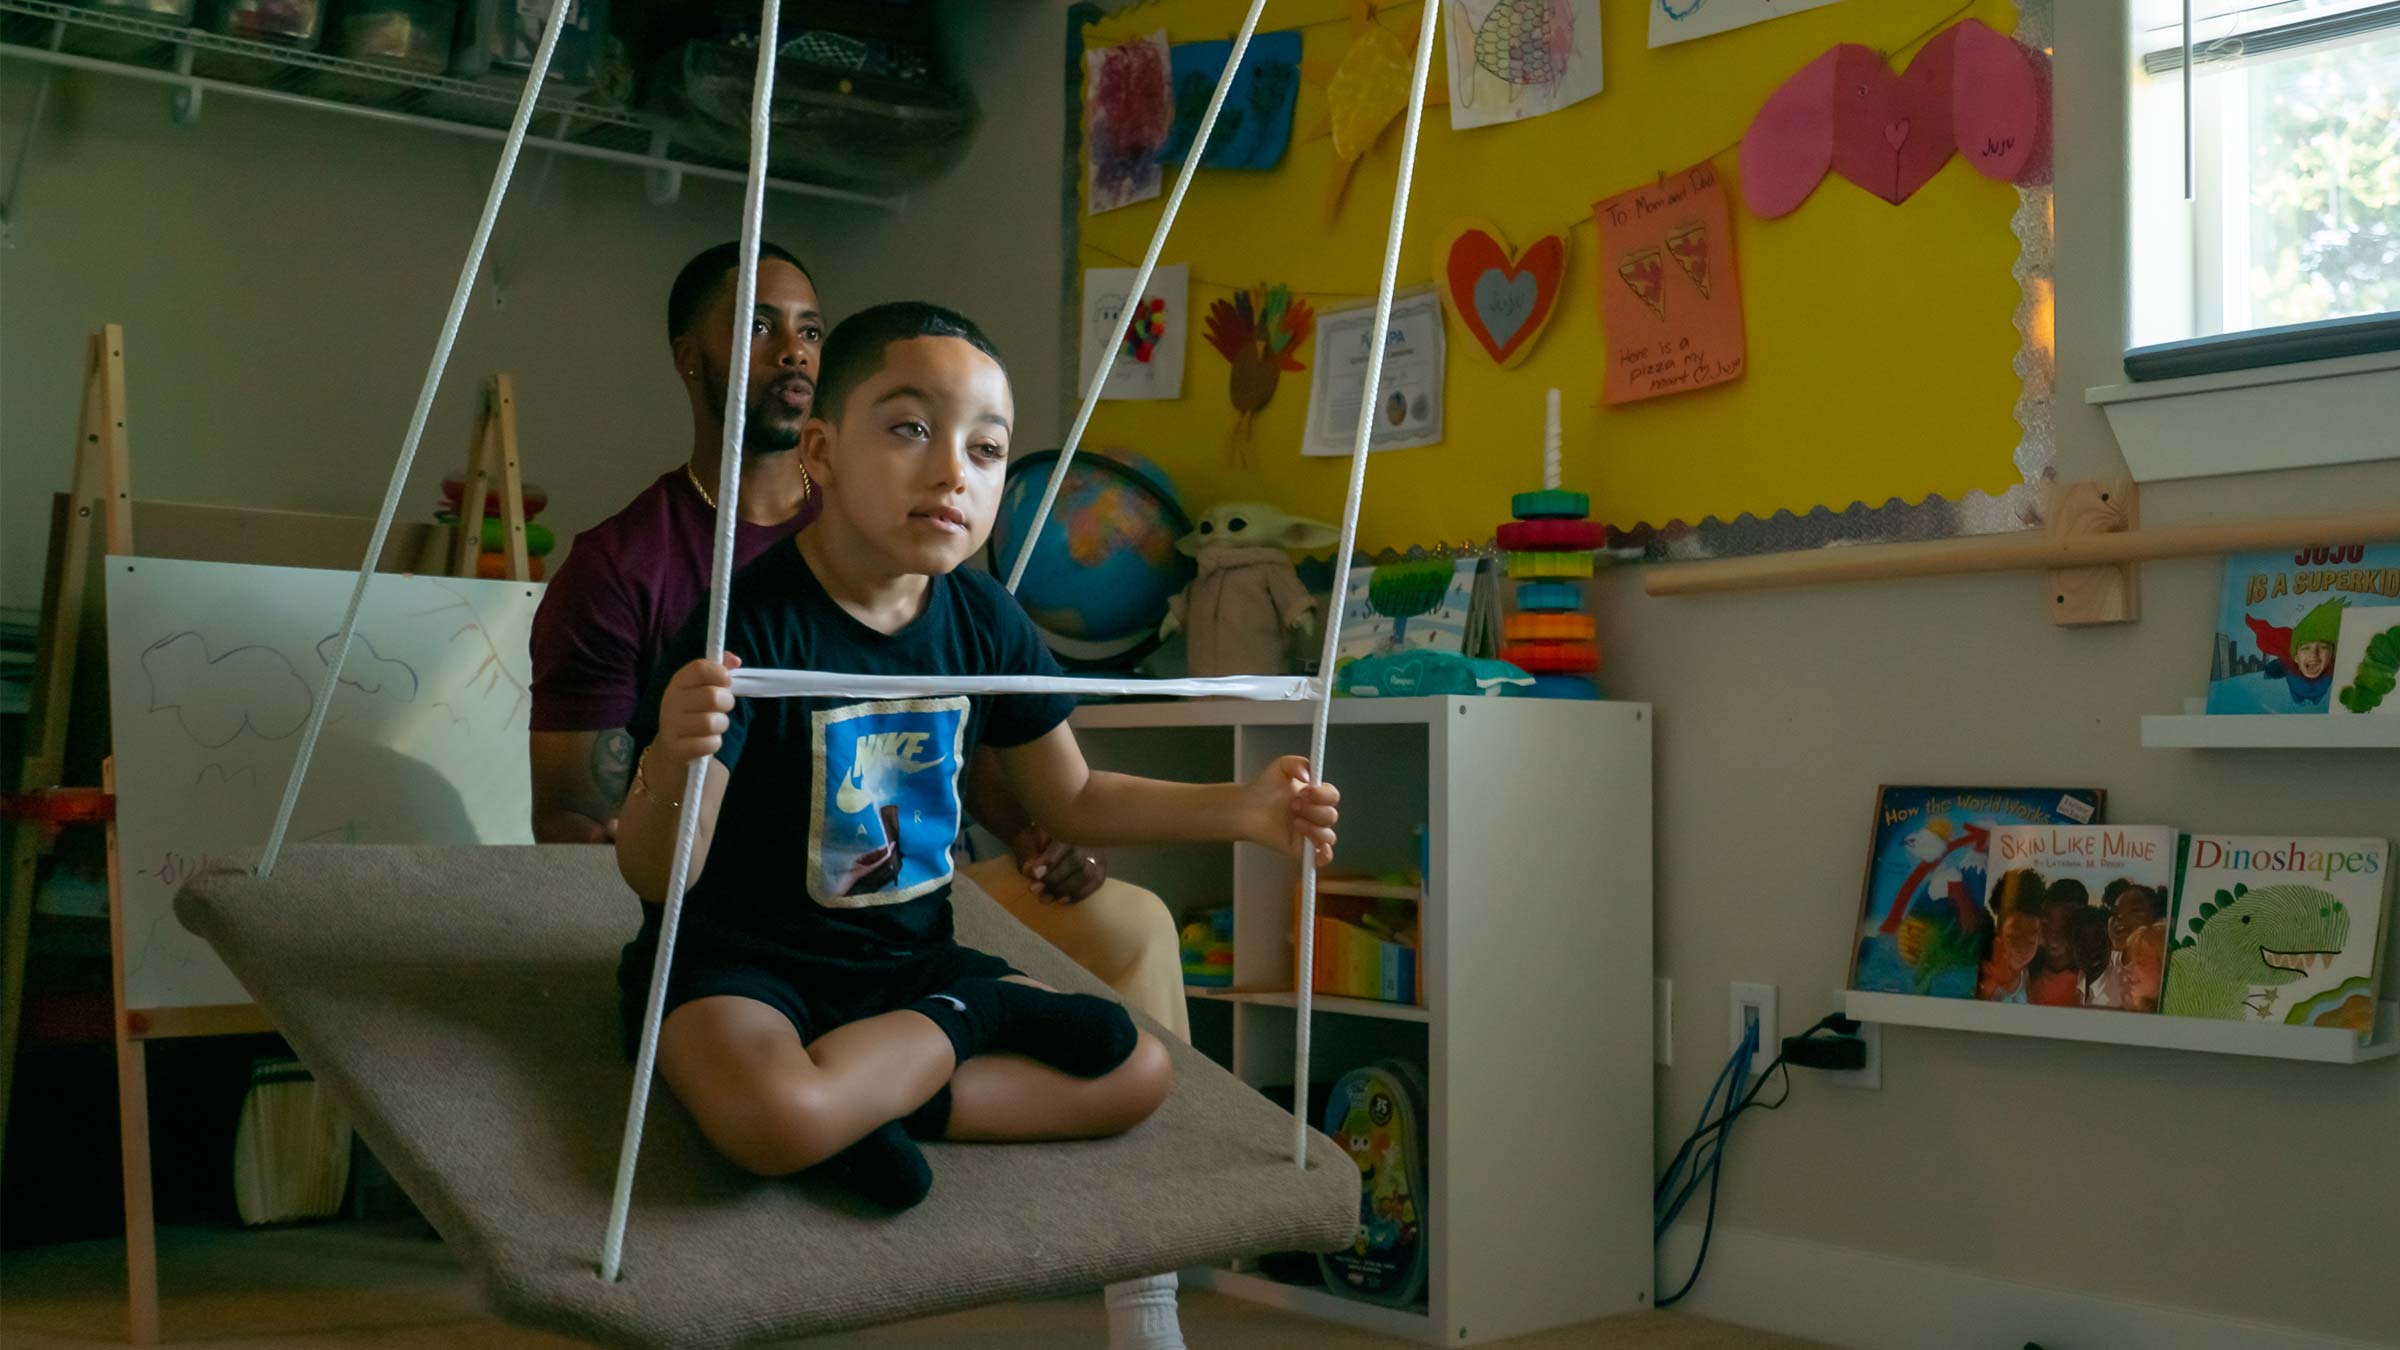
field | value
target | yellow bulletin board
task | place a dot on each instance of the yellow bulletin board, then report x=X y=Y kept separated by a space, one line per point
x=1889 y=346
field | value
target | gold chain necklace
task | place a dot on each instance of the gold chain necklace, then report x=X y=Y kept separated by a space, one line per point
x=807 y=485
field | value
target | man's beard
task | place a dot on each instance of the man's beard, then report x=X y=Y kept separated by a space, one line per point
x=760 y=434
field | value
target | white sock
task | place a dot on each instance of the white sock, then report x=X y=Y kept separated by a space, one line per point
x=1141 y=1315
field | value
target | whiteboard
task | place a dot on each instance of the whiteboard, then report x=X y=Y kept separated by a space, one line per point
x=212 y=669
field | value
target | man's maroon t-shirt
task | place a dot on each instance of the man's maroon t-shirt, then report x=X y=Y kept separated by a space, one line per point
x=626 y=586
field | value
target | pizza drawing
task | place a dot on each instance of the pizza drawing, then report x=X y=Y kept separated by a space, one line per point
x=1688 y=245
x=1646 y=276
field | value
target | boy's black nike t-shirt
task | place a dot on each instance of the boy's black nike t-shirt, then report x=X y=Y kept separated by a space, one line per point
x=833 y=840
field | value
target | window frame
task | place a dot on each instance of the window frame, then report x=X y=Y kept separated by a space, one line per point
x=2215 y=105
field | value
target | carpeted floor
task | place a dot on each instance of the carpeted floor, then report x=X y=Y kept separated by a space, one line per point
x=306 y=1289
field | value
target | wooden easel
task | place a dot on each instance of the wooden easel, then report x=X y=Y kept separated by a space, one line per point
x=494 y=439
x=44 y=803
x=102 y=490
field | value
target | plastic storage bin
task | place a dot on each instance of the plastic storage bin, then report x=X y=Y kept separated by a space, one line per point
x=829 y=121
x=293 y=23
x=501 y=36
x=404 y=34
x=106 y=42
x=157 y=11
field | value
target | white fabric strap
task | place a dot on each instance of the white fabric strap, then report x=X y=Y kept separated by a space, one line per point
x=416 y=429
x=748 y=683
x=1341 y=577
x=1134 y=294
x=729 y=496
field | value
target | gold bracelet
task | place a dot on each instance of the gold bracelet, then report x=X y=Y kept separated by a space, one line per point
x=641 y=781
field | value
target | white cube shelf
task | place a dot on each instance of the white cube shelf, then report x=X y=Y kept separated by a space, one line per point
x=1536 y=929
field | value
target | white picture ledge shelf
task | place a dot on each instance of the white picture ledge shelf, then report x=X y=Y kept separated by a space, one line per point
x=2323 y=1045
x=2331 y=731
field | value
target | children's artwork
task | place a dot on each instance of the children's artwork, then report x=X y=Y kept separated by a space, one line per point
x=1150 y=335
x=2278 y=929
x=2279 y=623
x=1670 y=295
x=2366 y=661
x=1365 y=92
x=1971 y=90
x=1503 y=298
x=1408 y=404
x=1407 y=606
x=2078 y=915
x=1673 y=21
x=1128 y=108
x=1514 y=59
x=1260 y=331
x=1255 y=124
x=213 y=672
x=1922 y=926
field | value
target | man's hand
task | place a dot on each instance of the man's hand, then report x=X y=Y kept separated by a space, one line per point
x=1286 y=811
x=1060 y=873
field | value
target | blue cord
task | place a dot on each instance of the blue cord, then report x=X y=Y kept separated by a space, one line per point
x=1737 y=1070
x=1712 y=1168
x=1666 y=1183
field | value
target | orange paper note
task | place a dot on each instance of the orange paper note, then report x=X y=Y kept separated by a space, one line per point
x=1670 y=295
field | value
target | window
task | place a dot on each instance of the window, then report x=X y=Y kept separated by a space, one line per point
x=2288 y=246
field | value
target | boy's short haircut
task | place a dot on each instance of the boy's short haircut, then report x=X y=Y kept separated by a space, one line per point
x=855 y=350
x=697 y=283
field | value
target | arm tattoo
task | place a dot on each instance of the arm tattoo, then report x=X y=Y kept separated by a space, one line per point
x=612 y=769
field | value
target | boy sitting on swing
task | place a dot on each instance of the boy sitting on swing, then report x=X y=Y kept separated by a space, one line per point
x=818 y=1009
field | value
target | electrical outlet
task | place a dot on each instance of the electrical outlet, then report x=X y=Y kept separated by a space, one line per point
x=1870 y=1074
x=1662 y=1021
x=1750 y=1004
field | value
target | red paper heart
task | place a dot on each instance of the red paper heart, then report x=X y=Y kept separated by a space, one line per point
x=1474 y=254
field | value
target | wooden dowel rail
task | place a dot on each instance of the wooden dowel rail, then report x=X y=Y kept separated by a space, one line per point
x=2030 y=551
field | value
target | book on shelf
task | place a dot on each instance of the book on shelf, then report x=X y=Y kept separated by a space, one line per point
x=2079 y=915
x=2272 y=928
x=2281 y=622
x=1923 y=927
x=1433 y=604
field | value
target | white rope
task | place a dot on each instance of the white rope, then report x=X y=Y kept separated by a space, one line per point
x=748 y=683
x=1134 y=294
x=1341 y=577
x=416 y=428
x=729 y=493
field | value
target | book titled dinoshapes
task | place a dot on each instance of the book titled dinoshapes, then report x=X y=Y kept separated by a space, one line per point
x=1922 y=925
x=2079 y=916
x=2269 y=928
x=2280 y=624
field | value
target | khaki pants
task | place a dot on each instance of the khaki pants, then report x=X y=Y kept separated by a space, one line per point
x=1122 y=934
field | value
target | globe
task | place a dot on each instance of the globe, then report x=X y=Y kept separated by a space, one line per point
x=1106 y=563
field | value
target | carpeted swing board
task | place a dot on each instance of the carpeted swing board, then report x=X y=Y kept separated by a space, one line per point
x=460 y=1002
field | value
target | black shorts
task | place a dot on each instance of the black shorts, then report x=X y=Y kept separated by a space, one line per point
x=817 y=994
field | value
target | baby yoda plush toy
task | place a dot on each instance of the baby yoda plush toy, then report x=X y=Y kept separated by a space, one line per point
x=1247 y=600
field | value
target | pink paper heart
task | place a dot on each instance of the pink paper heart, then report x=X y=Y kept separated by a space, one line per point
x=1970 y=91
